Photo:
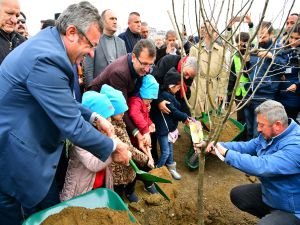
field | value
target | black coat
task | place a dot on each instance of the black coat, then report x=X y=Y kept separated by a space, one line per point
x=15 y=38
x=172 y=118
x=163 y=66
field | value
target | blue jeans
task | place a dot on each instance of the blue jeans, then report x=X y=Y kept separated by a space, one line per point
x=10 y=208
x=248 y=198
x=166 y=151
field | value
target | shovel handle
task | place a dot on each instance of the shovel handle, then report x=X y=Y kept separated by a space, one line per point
x=160 y=191
x=133 y=165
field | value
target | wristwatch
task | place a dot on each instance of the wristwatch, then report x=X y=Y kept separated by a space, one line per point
x=95 y=121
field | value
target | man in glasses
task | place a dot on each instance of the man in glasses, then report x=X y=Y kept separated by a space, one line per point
x=274 y=158
x=38 y=112
x=9 y=38
x=126 y=74
x=21 y=26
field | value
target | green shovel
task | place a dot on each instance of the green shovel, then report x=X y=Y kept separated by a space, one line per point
x=147 y=176
x=160 y=191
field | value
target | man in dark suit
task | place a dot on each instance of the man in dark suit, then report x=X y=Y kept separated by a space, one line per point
x=110 y=48
x=132 y=34
x=38 y=112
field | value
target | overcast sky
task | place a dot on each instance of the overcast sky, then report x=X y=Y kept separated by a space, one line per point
x=152 y=11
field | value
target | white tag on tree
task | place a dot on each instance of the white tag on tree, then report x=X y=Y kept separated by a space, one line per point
x=196 y=131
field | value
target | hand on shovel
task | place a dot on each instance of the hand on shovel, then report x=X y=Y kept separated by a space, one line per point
x=121 y=154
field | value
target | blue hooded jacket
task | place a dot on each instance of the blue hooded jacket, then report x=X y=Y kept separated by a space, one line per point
x=276 y=163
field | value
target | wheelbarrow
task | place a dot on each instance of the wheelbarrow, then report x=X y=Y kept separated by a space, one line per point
x=98 y=198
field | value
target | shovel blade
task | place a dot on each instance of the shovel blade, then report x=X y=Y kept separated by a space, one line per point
x=147 y=176
x=160 y=191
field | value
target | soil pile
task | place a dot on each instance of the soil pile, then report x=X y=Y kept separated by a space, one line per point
x=84 y=216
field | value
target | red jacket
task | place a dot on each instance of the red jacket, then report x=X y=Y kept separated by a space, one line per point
x=139 y=114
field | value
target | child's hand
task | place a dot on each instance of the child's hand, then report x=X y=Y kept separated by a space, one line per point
x=149 y=107
x=150 y=163
x=147 y=140
x=141 y=141
x=187 y=122
x=152 y=128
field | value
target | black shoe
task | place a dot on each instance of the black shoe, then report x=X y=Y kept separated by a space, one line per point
x=151 y=189
x=132 y=197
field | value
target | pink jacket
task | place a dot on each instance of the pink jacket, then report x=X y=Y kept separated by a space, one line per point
x=81 y=173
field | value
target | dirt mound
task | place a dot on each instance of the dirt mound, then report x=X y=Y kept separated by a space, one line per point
x=84 y=216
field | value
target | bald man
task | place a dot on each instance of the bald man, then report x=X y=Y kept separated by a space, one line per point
x=132 y=35
x=9 y=39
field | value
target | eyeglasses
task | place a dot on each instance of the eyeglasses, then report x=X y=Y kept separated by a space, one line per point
x=21 y=21
x=88 y=40
x=145 y=64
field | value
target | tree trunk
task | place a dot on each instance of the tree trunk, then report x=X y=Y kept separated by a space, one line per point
x=200 y=187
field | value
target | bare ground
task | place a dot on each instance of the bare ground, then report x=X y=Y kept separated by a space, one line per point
x=182 y=209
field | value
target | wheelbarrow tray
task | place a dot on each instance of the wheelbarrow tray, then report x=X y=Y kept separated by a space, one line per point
x=98 y=198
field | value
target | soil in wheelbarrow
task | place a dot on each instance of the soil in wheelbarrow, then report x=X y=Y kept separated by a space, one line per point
x=229 y=130
x=84 y=216
x=182 y=209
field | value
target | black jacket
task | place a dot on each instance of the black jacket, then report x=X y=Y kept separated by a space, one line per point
x=9 y=42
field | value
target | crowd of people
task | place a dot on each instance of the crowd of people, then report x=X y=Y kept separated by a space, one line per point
x=116 y=98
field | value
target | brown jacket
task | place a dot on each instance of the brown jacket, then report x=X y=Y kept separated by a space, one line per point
x=125 y=174
x=119 y=76
x=218 y=77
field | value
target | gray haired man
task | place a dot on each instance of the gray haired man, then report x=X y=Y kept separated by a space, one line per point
x=273 y=157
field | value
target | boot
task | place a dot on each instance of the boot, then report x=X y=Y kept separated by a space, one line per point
x=172 y=170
